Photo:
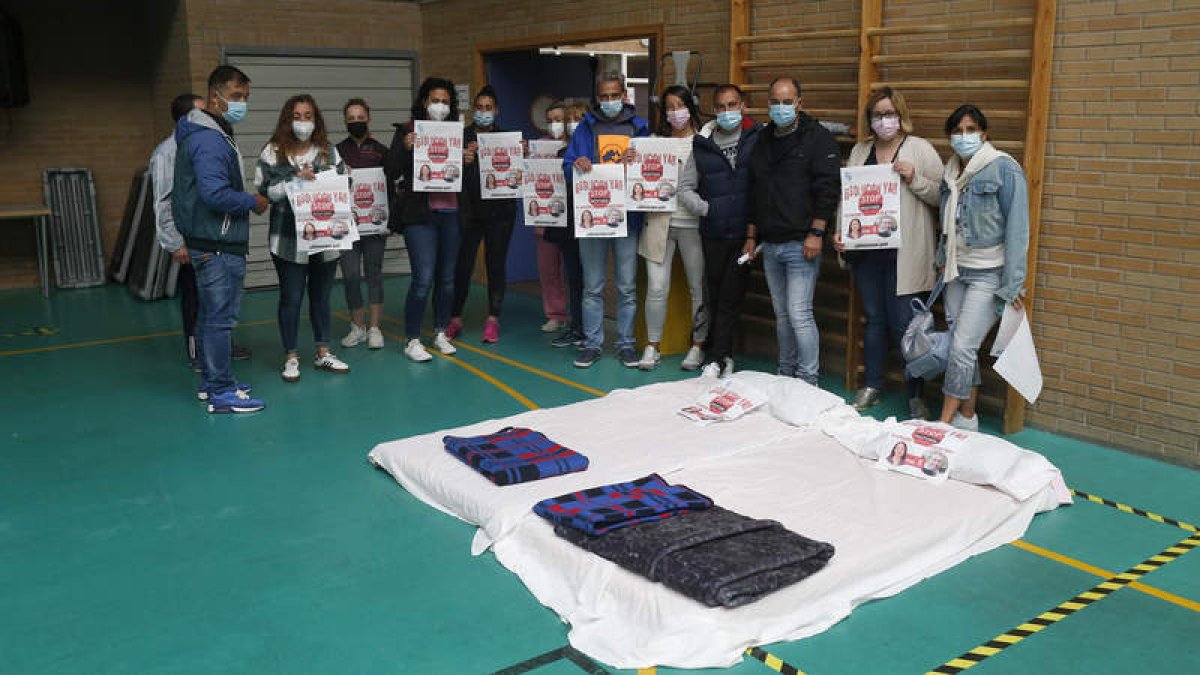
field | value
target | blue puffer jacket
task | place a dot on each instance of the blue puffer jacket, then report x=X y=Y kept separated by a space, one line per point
x=209 y=198
x=583 y=144
x=726 y=189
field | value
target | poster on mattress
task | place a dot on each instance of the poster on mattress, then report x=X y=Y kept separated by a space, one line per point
x=501 y=159
x=324 y=216
x=546 y=148
x=600 y=202
x=370 y=200
x=437 y=156
x=544 y=196
x=652 y=178
x=922 y=449
x=870 y=207
x=725 y=401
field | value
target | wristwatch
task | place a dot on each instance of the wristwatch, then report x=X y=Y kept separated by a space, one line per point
x=817 y=231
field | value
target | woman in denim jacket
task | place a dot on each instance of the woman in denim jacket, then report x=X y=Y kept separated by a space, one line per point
x=985 y=238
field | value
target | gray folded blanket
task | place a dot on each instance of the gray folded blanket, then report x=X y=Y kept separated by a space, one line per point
x=714 y=556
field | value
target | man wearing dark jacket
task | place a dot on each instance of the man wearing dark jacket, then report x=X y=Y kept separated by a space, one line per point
x=795 y=185
x=716 y=184
x=211 y=209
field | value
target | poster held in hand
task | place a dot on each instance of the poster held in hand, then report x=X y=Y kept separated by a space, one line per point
x=547 y=148
x=500 y=158
x=437 y=156
x=600 y=202
x=325 y=219
x=544 y=193
x=652 y=179
x=370 y=200
x=870 y=207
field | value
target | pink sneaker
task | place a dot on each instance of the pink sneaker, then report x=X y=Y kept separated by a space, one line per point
x=453 y=329
x=491 y=331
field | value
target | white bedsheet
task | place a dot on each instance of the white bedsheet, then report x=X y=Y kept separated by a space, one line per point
x=890 y=530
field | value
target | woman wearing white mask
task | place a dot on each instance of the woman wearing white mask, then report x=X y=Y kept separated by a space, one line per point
x=888 y=279
x=985 y=238
x=429 y=223
x=563 y=238
x=298 y=150
x=678 y=117
x=549 y=255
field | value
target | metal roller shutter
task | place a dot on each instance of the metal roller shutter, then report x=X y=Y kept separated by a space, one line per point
x=384 y=79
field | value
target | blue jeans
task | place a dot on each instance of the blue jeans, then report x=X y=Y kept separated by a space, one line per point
x=971 y=304
x=432 y=251
x=593 y=256
x=219 y=279
x=887 y=314
x=293 y=278
x=792 y=279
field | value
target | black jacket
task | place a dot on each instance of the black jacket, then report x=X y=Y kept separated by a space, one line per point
x=409 y=207
x=793 y=180
x=472 y=205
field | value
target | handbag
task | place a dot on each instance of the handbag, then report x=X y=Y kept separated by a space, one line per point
x=926 y=350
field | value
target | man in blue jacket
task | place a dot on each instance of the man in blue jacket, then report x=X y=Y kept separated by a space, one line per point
x=610 y=116
x=212 y=212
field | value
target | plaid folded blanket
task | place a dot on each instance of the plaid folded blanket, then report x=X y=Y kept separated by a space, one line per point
x=515 y=455
x=598 y=510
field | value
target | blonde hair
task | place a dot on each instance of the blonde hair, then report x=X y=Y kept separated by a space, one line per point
x=898 y=102
x=577 y=109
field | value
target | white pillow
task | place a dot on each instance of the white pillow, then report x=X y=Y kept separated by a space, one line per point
x=790 y=400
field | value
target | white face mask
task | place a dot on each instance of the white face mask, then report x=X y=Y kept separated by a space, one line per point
x=303 y=130
x=572 y=126
x=557 y=129
x=438 y=112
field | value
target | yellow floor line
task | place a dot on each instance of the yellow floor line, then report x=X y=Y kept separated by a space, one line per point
x=116 y=340
x=1103 y=573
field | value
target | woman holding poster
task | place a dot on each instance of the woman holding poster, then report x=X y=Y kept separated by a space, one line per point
x=364 y=155
x=985 y=238
x=564 y=241
x=887 y=278
x=484 y=220
x=428 y=221
x=299 y=149
x=679 y=119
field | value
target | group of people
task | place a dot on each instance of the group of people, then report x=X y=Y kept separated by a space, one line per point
x=746 y=191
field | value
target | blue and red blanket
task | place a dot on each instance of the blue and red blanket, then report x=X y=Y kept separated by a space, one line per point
x=598 y=510
x=515 y=455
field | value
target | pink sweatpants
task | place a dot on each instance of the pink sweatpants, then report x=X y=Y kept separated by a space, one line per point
x=554 y=290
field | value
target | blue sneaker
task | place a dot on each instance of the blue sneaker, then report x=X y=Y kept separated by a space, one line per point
x=202 y=392
x=587 y=357
x=568 y=339
x=234 y=401
x=629 y=357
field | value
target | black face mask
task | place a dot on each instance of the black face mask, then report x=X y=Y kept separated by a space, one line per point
x=357 y=129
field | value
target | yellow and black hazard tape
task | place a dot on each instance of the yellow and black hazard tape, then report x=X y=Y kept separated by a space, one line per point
x=773 y=662
x=1136 y=511
x=1053 y=616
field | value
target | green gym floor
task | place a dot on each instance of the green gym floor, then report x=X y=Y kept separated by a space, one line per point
x=139 y=534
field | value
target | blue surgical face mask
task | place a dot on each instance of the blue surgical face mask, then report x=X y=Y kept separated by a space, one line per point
x=611 y=108
x=783 y=114
x=236 y=111
x=484 y=119
x=729 y=119
x=966 y=145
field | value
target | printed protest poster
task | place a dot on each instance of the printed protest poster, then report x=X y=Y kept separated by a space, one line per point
x=370 y=200
x=600 y=202
x=324 y=215
x=545 y=148
x=544 y=196
x=870 y=214
x=501 y=159
x=652 y=179
x=922 y=449
x=437 y=156
x=724 y=402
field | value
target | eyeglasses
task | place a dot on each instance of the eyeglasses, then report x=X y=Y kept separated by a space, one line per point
x=610 y=97
x=889 y=116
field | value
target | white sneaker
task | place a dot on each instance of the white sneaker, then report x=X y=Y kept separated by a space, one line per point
x=552 y=326
x=331 y=363
x=712 y=370
x=355 y=336
x=650 y=358
x=728 y=369
x=693 y=360
x=965 y=423
x=374 y=338
x=416 y=351
x=291 y=370
x=443 y=344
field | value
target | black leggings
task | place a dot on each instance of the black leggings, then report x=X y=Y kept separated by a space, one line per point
x=495 y=235
x=725 y=285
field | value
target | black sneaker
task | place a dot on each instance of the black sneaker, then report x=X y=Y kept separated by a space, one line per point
x=629 y=357
x=568 y=339
x=239 y=353
x=587 y=357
